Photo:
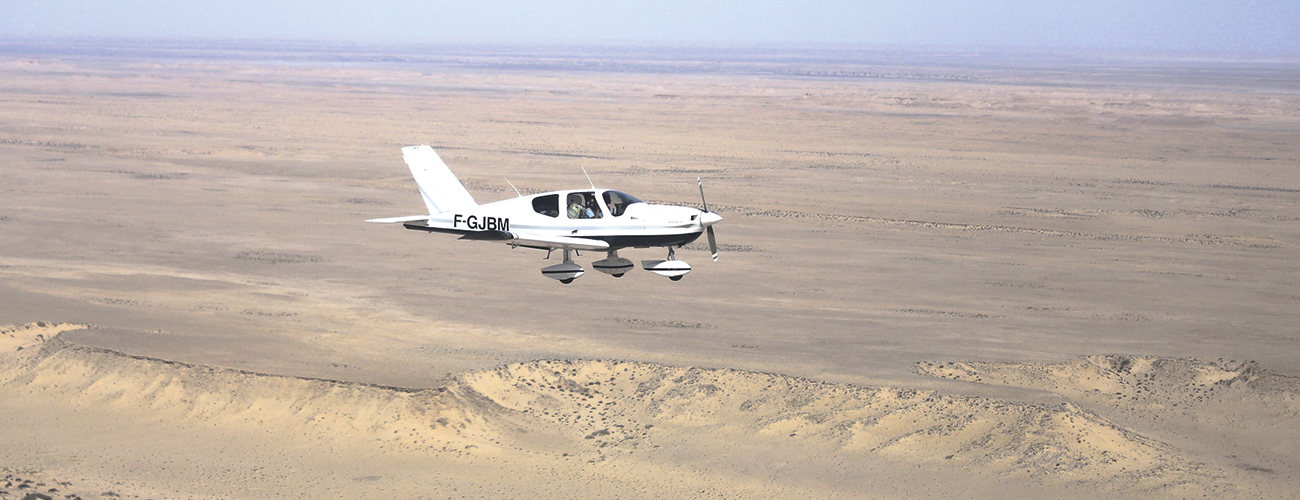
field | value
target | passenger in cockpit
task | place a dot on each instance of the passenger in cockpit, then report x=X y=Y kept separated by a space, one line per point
x=576 y=210
x=583 y=206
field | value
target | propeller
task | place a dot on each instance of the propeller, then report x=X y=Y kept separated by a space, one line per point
x=713 y=243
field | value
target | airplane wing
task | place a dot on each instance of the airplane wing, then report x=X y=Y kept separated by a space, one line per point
x=394 y=220
x=533 y=240
x=517 y=238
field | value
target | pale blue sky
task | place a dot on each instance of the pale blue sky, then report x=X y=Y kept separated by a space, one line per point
x=1189 y=25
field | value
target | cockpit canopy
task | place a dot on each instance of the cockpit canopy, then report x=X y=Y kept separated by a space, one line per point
x=582 y=204
x=617 y=201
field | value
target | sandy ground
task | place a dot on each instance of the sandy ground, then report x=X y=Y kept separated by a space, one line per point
x=941 y=276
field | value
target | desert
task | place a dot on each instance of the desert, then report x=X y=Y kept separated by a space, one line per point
x=943 y=274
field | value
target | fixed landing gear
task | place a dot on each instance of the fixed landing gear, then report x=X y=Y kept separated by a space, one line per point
x=671 y=268
x=616 y=266
x=564 y=272
x=613 y=265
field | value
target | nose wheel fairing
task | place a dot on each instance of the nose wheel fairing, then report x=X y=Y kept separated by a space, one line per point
x=671 y=268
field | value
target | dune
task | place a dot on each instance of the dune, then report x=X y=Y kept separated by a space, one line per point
x=630 y=406
x=632 y=423
x=1149 y=385
x=15 y=338
x=1238 y=415
x=103 y=379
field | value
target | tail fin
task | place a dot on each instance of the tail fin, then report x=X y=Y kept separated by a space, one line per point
x=441 y=190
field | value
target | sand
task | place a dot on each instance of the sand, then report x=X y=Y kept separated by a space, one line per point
x=942 y=275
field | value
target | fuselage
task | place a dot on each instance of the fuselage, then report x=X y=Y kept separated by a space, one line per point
x=617 y=218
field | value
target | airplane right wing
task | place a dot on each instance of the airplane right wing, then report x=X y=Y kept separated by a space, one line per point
x=533 y=240
x=514 y=237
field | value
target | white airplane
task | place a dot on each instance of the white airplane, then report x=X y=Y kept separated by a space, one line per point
x=579 y=219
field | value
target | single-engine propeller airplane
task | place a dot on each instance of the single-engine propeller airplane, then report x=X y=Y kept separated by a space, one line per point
x=593 y=219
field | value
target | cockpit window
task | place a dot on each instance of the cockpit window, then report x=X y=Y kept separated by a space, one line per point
x=548 y=205
x=618 y=201
x=583 y=205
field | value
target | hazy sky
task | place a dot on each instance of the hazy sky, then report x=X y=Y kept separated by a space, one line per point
x=1182 y=25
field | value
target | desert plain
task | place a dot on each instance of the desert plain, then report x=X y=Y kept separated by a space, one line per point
x=943 y=274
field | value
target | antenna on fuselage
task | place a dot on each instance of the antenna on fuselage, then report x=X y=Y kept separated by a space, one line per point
x=584 y=172
x=512 y=186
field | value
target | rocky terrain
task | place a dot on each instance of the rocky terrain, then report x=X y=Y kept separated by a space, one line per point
x=585 y=417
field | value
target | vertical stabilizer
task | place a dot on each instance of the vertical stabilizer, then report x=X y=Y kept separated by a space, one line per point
x=440 y=188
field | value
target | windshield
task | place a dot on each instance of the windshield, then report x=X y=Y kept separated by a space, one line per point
x=617 y=201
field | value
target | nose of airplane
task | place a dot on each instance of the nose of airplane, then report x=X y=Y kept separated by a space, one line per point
x=709 y=218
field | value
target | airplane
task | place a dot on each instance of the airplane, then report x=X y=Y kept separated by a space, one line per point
x=597 y=220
